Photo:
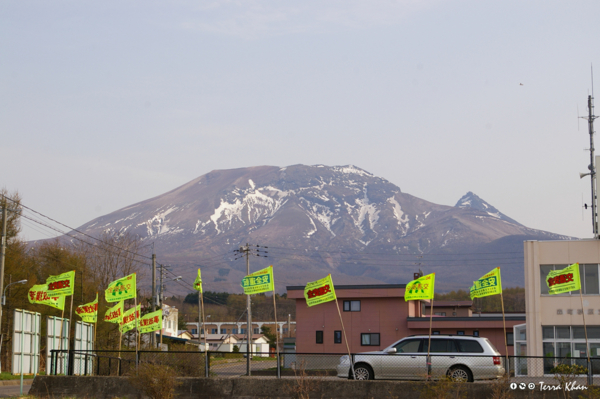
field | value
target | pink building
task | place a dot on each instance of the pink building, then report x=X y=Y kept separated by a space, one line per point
x=375 y=316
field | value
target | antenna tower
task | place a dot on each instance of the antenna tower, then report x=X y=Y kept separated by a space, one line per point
x=592 y=166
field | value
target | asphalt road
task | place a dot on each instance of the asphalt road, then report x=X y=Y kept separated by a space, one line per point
x=10 y=391
x=230 y=370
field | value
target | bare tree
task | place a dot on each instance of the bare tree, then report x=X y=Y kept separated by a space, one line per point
x=113 y=256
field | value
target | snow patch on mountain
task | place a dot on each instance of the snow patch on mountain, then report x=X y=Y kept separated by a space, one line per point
x=158 y=224
x=351 y=169
x=250 y=208
x=400 y=216
x=314 y=229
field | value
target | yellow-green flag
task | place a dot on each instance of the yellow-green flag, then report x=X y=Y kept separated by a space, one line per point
x=319 y=291
x=198 y=282
x=421 y=288
x=128 y=321
x=150 y=322
x=260 y=281
x=61 y=285
x=121 y=289
x=89 y=311
x=114 y=314
x=490 y=284
x=564 y=280
x=39 y=294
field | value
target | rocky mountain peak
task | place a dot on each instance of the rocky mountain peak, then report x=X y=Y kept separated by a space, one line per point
x=472 y=201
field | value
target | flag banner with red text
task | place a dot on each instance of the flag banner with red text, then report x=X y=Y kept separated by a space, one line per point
x=114 y=314
x=319 y=291
x=61 y=285
x=121 y=289
x=89 y=311
x=128 y=321
x=564 y=280
x=39 y=294
x=421 y=288
x=198 y=282
x=150 y=322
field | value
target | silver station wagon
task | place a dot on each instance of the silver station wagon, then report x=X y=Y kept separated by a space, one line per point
x=462 y=358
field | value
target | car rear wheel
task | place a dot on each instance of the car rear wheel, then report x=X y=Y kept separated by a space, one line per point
x=362 y=372
x=460 y=374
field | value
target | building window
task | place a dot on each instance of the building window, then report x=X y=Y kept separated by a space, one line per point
x=337 y=337
x=351 y=306
x=439 y=313
x=435 y=333
x=242 y=331
x=460 y=333
x=510 y=339
x=194 y=331
x=223 y=331
x=213 y=330
x=476 y=333
x=370 y=339
x=590 y=281
x=256 y=331
x=234 y=330
x=202 y=331
x=319 y=337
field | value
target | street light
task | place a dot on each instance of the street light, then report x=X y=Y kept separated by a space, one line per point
x=6 y=288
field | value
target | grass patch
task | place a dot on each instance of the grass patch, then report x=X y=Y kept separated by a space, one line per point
x=8 y=376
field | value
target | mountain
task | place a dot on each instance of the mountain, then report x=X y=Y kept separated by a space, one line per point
x=321 y=219
x=470 y=200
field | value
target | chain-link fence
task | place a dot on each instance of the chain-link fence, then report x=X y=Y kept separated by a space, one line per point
x=419 y=366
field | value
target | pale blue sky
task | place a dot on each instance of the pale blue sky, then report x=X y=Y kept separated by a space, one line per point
x=103 y=104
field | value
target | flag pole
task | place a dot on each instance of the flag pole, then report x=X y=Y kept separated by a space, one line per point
x=137 y=331
x=60 y=355
x=429 y=343
x=201 y=296
x=276 y=334
x=504 y=324
x=70 y=326
x=345 y=338
x=96 y=324
x=587 y=347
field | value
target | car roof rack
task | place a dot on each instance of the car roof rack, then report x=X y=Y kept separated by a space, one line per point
x=442 y=335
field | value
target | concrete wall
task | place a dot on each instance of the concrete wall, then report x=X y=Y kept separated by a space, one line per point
x=244 y=388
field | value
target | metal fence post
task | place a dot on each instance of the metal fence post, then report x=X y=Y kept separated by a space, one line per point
x=207 y=364
x=352 y=368
x=97 y=364
x=52 y=364
x=278 y=365
x=590 y=374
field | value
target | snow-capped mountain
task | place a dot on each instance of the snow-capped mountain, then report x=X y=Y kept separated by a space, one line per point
x=315 y=220
x=470 y=200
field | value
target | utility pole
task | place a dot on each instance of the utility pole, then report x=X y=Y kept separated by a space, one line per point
x=153 y=336
x=246 y=252
x=162 y=272
x=2 y=256
x=289 y=325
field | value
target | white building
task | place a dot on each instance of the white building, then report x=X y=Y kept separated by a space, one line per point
x=555 y=323
x=170 y=319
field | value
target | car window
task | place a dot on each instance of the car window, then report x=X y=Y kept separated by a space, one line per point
x=469 y=346
x=452 y=347
x=491 y=345
x=437 y=345
x=408 y=346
